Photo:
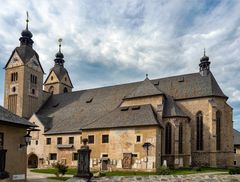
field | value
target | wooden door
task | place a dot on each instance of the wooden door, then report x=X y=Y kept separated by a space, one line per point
x=127 y=161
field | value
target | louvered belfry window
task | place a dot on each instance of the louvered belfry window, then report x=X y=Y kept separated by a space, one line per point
x=168 y=139
x=199 y=119
x=218 y=130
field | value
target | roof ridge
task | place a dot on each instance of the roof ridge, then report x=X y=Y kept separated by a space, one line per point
x=145 y=88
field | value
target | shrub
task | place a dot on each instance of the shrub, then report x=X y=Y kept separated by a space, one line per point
x=198 y=169
x=164 y=170
x=235 y=170
x=61 y=168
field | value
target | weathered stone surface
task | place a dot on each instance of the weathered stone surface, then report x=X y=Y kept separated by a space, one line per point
x=170 y=178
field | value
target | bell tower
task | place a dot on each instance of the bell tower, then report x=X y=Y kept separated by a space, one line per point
x=23 y=78
x=204 y=65
x=58 y=80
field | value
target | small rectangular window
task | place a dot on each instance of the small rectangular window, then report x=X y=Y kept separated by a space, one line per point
x=134 y=155
x=105 y=138
x=91 y=139
x=36 y=142
x=71 y=140
x=235 y=163
x=235 y=150
x=104 y=155
x=75 y=156
x=138 y=138
x=53 y=156
x=59 y=140
x=48 y=141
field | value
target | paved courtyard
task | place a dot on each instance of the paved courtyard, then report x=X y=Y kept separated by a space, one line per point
x=207 y=177
x=170 y=178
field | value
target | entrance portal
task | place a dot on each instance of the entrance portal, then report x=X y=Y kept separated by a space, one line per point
x=32 y=161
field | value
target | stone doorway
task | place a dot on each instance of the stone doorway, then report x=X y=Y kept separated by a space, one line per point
x=105 y=165
x=32 y=161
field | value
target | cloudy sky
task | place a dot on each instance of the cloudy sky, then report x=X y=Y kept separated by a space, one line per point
x=111 y=42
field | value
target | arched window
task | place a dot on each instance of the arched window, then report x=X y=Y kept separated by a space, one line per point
x=168 y=139
x=65 y=90
x=218 y=130
x=51 y=90
x=199 y=119
x=180 y=139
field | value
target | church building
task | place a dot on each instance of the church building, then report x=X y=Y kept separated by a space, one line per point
x=184 y=120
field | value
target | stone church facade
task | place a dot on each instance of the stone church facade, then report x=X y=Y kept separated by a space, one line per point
x=184 y=120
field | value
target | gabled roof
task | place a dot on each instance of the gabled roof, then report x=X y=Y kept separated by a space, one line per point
x=71 y=111
x=60 y=72
x=190 y=86
x=146 y=88
x=7 y=117
x=25 y=53
x=46 y=122
x=236 y=139
x=171 y=109
x=142 y=115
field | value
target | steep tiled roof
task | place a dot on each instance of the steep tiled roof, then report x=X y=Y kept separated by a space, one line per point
x=171 y=109
x=72 y=111
x=189 y=86
x=60 y=71
x=26 y=53
x=46 y=121
x=236 y=140
x=146 y=88
x=126 y=117
x=7 y=117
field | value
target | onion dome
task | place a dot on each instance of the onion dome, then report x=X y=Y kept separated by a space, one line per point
x=26 y=35
x=204 y=58
x=204 y=66
x=59 y=55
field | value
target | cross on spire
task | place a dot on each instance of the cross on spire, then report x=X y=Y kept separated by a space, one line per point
x=204 y=52
x=27 y=20
x=60 y=44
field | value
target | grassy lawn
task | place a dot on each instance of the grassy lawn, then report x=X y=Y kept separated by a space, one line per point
x=71 y=171
x=180 y=171
x=59 y=178
x=183 y=171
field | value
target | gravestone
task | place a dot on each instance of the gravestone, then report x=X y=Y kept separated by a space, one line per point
x=84 y=161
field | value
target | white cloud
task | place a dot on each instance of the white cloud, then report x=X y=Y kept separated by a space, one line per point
x=161 y=38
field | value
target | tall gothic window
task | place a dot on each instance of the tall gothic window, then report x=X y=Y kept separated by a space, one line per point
x=168 y=139
x=199 y=119
x=218 y=130
x=180 y=139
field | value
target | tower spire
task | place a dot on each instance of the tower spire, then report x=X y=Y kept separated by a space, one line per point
x=26 y=35
x=59 y=56
x=27 y=20
x=60 y=44
x=204 y=65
